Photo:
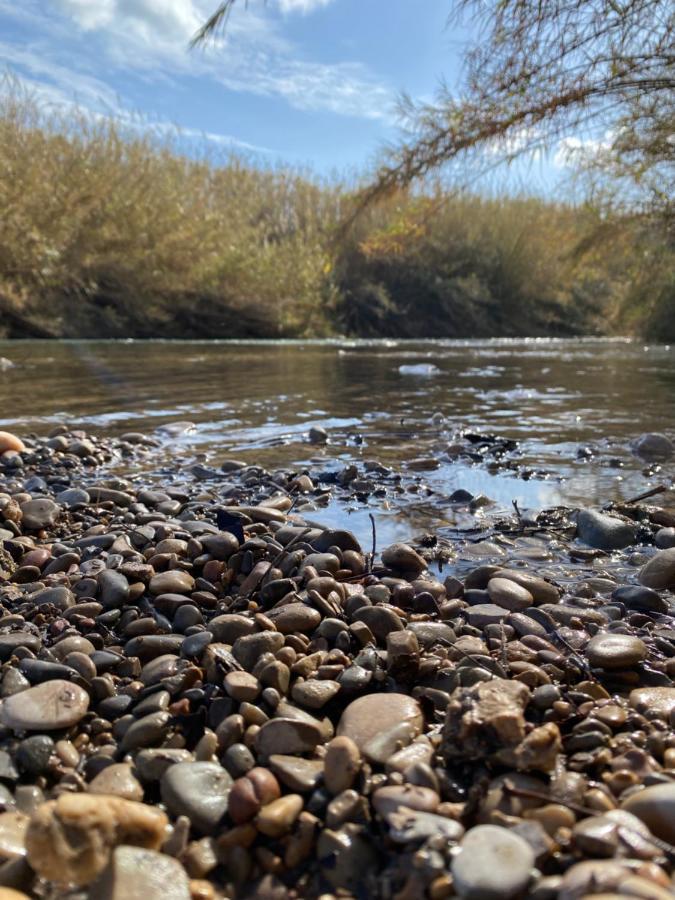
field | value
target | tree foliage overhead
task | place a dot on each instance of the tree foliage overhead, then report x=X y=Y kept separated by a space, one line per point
x=541 y=71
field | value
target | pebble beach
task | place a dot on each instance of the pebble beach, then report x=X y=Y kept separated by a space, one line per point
x=205 y=693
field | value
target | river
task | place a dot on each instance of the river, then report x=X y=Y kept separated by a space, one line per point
x=573 y=406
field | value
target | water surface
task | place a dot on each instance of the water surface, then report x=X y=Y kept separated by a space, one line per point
x=574 y=406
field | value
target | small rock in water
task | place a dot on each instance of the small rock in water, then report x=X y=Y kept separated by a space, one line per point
x=604 y=532
x=403 y=558
x=318 y=435
x=653 y=447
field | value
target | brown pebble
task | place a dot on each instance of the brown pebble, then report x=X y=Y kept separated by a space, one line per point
x=277 y=818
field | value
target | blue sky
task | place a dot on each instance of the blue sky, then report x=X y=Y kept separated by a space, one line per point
x=310 y=82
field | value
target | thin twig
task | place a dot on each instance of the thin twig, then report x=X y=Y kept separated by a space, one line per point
x=373 y=551
x=514 y=503
x=660 y=489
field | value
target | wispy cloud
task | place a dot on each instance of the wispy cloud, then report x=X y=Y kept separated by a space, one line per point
x=151 y=37
x=61 y=92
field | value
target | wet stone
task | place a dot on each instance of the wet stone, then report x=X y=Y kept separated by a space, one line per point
x=198 y=790
x=508 y=594
x=172 y=582
x=295 y=617
x=659 y=572
x=288 y=737
x=117 y=780
x=604 y=532
x=295 y=773
x=39 y=514
x=636 y=596
x=655 y=806
x=492 y=863
x=660 y=700
x=46 y=707
x=403 y=558
x=615 y=651
x=138 y=874
x=380 y=724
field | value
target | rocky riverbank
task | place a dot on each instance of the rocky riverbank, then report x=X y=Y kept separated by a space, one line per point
x=206 y=694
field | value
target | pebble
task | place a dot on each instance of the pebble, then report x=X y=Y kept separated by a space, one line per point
x=172 y=582
x=137 y=874
x=293 y=617
x=242 y=686
x=403 y=558
x=483 y=614
x=287 y=736
x=278 y=817
x=342 y=764
x=655 y=806
x=39 y=514
x=306 y=719
x=117 y=780
x=70 y=839
x=653 y=447
x=9 y=441
x=604 y=532
x=636 y=596
x=492 y=863
x=659 y=572
x=660 y=700
x=380 y=724
x=615 y=651
x=295 y=773
x=316 y=693
x=13 y=827
x=380 y=620
x=509 y=595
x=198 y=790
x=46 y=707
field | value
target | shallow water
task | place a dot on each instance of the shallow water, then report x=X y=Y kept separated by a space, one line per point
x=389 y=400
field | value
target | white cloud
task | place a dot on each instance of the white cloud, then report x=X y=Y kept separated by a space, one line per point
x=573 y=150
x=151 y=36
x=302 y=6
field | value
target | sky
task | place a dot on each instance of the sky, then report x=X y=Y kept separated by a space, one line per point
x=313 y=83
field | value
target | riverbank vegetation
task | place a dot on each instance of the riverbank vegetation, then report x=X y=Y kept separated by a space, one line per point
x=110 y=232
